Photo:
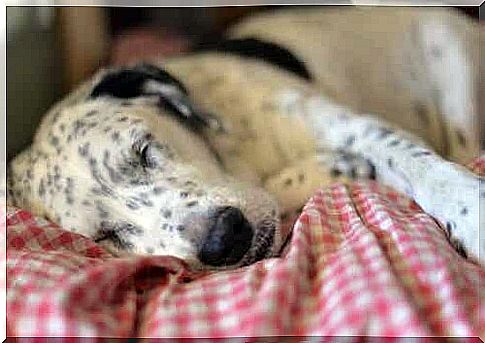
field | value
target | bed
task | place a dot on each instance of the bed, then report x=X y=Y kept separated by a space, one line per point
x=362 y=260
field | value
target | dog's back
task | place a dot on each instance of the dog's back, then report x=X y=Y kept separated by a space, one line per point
x=415 y=67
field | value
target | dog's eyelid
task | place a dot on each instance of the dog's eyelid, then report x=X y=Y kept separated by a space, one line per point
x=145 y=148
x=142 y=141
x=143 y=153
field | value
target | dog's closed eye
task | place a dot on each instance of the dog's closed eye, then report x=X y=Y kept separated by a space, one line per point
x=143 y=148
x=146 y=155
x=149 y=153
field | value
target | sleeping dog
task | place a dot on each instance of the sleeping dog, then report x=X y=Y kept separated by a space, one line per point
x=199 y=156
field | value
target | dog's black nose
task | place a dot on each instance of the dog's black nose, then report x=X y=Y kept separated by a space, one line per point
x=228 y=239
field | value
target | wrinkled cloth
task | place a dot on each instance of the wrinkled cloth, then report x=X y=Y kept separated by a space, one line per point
x=362 y=260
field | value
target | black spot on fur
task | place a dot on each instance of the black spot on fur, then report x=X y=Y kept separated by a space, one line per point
x=288 y=182
x=383 y=132
x=139 y=182
x=158 y=190
x=394 y=142
x=191 y=203
x=92 y=162
x=390 y=163
x=78 y=125
x=83 y=149
x=132 y=205
x=103 y=190
x=350 y=140
x=54 y=141
x=258 y=49
x=200 y=193
x=464 y=211
x=55 y=117
x=190 y=183
x=166 y=213
x=372 y=171
x=41 y=188
x=147 y=203
x=301 y=178
x=353 y=173
x=91 y=113
x=114 y=176
x=115 y=136
x=102 y=212
x=335 y=172
x=116 y=233
x=410 y=146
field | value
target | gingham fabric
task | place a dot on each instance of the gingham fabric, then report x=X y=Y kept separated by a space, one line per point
x=363 y=260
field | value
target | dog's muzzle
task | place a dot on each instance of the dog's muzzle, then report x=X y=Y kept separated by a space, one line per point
x=231 y=240
x=228 y=239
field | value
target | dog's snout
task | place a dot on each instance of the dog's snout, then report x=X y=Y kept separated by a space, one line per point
x=228 y=239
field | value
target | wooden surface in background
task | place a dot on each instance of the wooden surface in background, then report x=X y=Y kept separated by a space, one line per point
x=83 y=36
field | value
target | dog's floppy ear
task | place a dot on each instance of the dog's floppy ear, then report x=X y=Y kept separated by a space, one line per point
x=147 y=80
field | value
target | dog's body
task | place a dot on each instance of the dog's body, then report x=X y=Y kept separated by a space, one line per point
x=139 y=164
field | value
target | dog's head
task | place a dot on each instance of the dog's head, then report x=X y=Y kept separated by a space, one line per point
x=128 y=163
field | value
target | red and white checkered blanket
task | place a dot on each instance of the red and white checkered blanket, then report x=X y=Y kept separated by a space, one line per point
x=363 y=260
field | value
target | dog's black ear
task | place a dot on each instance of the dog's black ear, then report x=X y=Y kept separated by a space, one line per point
x=149 y=81
x=131 y=82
